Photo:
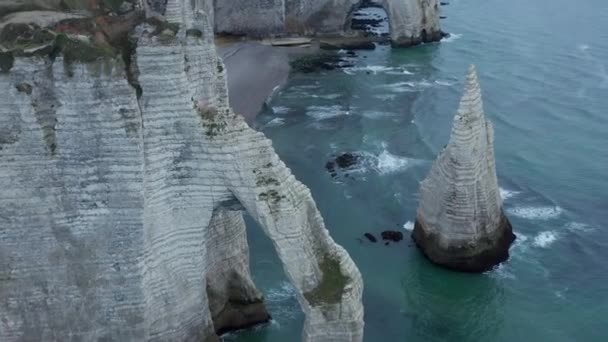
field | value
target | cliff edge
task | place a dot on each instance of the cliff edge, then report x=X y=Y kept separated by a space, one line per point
x=125 y=175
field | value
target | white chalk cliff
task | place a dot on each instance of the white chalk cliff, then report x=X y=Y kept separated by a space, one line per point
x=123 y=185
x=411 y=21
x=460 y=223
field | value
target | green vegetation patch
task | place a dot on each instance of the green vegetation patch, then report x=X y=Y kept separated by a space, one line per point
x=76 y=50
x=212 y=121
x=23 y=39
x=333 y=282
x=161 y=25
x=194 y=33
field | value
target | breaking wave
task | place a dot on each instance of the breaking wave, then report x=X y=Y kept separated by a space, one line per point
x=376 y=69
x=409 y=226
x=280 y=110
x=326 y=112
x=545 y=239
x=389 y=163
x=536 y=213
x=451 y=38
x=506 y=194
x=275 y=122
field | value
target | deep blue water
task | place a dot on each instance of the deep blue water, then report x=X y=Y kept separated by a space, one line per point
x=542 y=68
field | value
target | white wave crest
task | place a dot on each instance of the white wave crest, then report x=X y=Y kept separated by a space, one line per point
x=506 y=194
x=326 y=112
x=578 y=227
x=385 y=97
x=275 y=122
x=376 y=69
x=537 y=213
x=409 y=226
x=327 y=97
x=444 y=83
x=390 y=163
x=545 y=239
x=280 y=110
x=373 y=114
x=451 y=38
x=283 y=292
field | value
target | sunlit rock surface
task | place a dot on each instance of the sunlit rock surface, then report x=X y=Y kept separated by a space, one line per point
x=123 y=181
x=460 y=223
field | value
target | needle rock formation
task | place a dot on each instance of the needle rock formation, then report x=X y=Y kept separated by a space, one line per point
x=460 y=223
x=124 y=175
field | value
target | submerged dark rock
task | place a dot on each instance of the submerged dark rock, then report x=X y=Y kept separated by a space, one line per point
x=392 y=235
x=342 y=163
x=370 y=237
x=319 y=62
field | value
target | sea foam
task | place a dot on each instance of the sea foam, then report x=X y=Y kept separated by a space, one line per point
x=536 y=213
x=545 y=239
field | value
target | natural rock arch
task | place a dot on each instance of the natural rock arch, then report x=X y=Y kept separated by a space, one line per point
x=123 y=228
x=408 y=18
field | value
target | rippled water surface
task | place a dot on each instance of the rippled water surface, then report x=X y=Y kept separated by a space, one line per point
x=542 y=67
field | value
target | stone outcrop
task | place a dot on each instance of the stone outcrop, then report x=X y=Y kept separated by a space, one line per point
x=411 y=21
x=460 y=223
x=124 y=176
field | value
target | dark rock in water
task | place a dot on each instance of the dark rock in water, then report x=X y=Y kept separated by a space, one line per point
x=346 y=160
x=342 y=163
x=392 y=235
x=319 y=62
x=386 y=243
x=358 y=44
x=370 y=237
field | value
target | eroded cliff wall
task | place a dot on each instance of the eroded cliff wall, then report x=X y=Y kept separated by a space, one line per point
x=411 y=21
x=124 y=178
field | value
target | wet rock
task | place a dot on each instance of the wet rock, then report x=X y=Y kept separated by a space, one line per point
x=370 y=237
x=319 y=62
x=358 y=44
x=392 y=235
x=346 y=160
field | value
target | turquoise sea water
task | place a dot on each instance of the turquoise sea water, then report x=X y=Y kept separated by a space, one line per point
x=543 y=72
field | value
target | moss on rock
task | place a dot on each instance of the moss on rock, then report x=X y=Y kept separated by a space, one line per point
x=76 y=50
x=332 y=284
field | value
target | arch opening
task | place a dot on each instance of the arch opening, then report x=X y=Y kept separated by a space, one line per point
x=371 y=20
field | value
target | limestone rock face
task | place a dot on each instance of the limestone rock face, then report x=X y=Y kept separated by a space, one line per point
x=123 y=188
x=411 y=21
x=460 y=223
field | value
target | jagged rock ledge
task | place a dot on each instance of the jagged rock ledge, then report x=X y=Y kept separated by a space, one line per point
x=460 y=223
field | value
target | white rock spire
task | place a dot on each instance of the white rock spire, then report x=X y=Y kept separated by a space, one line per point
x=460 y=223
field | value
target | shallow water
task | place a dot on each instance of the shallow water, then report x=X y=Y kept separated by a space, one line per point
x=542 y=68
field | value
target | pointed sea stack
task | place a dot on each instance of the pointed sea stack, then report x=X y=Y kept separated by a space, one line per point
x=460 y=223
